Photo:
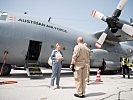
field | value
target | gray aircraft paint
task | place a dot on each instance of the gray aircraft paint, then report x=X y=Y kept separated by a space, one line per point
x=15 y=36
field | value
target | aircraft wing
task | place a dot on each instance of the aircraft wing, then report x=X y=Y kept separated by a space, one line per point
x=113 y=38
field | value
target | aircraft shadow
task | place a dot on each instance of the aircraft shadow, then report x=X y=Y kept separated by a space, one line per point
x=45 y=75
x=16 y=75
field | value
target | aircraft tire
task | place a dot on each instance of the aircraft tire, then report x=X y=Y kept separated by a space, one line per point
x=6 y=70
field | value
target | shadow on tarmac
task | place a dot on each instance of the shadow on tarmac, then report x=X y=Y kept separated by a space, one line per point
x=92 y=82
x=95 y=94
x=66 y=73
x=45 y=75
x=16 y=75
x=68 y=87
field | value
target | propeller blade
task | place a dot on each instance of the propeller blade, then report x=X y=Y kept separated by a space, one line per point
x=119 y=8
x=128 y=29
x=121 y=4
x=98 y=15
x=101 y=40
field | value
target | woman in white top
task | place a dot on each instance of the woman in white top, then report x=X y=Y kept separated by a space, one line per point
x=57 y=59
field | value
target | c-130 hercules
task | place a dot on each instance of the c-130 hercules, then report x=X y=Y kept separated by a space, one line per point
x=25 y=40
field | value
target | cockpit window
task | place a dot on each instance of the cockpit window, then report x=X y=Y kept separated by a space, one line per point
x=3 y=15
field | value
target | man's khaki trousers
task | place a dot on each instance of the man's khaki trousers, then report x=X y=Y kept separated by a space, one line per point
x=80 y=76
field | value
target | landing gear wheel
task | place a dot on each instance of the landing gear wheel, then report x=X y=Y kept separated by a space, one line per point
x=5 y=70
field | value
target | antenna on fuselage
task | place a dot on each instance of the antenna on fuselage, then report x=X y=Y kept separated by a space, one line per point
x=131 y=21
x=25 y=12
x=49 y=19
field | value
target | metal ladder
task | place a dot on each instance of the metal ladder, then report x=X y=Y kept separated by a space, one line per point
x=33 y=69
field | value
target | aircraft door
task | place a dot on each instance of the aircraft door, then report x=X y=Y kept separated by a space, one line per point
x=34 y=50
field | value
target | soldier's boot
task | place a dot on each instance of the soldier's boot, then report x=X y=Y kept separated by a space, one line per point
x=87 y=83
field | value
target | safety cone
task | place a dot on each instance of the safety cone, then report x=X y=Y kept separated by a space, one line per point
x=98 y=77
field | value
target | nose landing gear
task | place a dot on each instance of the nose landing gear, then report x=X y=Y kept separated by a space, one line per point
x=5 y=69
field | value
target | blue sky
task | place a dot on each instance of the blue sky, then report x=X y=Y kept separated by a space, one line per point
x=75 y=14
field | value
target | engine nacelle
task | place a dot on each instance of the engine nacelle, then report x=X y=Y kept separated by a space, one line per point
x=97 y=56
x=110 y=65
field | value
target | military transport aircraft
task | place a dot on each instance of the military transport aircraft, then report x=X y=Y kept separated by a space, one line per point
x=26 y=40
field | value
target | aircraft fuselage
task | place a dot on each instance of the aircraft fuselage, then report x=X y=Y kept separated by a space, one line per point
x=23 y=33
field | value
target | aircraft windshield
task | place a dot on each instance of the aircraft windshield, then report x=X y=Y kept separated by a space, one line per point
x=3 y=15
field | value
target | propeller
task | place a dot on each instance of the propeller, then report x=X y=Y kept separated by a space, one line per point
x=128 y=29
x=119 y=8
x=101 y=40
x=112 y=22
x=98 y=15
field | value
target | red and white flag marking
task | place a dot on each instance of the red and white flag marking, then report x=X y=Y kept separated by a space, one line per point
x=12 y=18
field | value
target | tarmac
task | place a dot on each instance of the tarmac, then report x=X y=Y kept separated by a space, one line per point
x=113 y=87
